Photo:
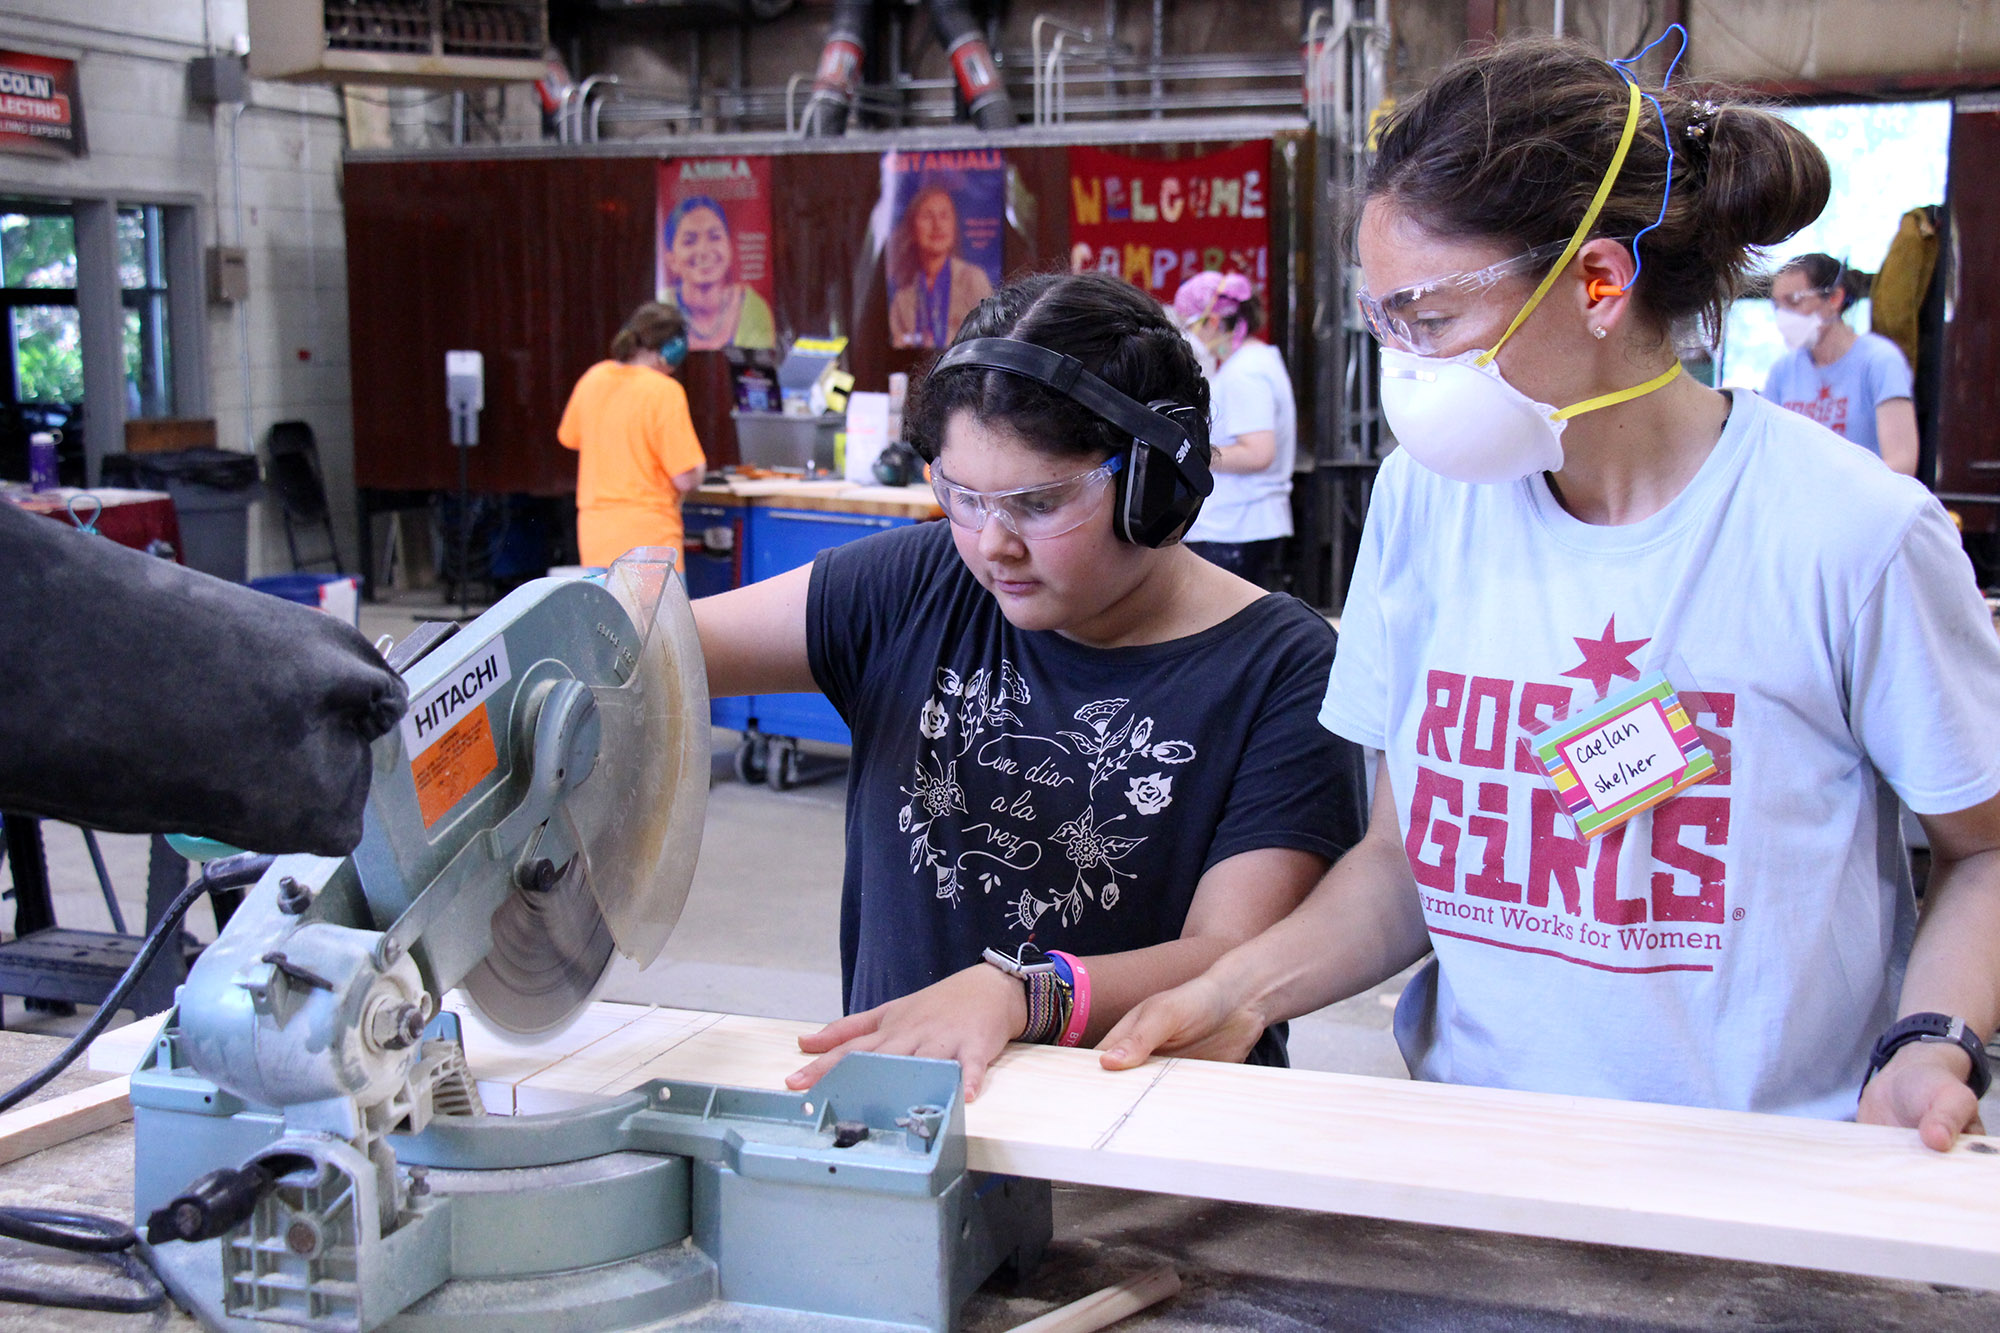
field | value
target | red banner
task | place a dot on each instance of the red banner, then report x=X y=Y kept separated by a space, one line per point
x=715 y=249
x=41 y=107
x=1158 y=223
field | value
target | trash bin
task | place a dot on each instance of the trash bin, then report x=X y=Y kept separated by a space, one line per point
x=339 y=595
x=212 y=491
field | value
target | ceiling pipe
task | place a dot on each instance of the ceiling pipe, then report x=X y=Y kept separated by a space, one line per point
x=838 y=77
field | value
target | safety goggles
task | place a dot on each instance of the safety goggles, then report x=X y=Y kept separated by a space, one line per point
x=1029 y=512
x=1448 y=313
x=1798 y=299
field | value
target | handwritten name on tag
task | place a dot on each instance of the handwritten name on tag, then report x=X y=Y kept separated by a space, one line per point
x=1632 y=751
x=1630 y=754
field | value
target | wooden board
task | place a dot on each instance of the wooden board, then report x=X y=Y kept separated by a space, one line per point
x=1813 y=1194
x=29 y=1129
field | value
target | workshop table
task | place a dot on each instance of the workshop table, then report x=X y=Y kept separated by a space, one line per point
x=1244 y=1268
x=130 y=518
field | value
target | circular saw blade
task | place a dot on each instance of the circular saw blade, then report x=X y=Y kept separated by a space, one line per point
x=639 y=815
x=636 y=820
x=551 y=951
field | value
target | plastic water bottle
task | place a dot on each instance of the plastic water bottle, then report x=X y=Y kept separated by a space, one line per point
x=42 y=461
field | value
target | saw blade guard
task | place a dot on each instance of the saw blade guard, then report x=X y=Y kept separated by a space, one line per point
x=639 y=818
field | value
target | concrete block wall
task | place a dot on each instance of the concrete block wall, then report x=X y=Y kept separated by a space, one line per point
x=150 y=143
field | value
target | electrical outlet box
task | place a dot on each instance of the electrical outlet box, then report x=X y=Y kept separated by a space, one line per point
x=228 y=274
x=217 y=80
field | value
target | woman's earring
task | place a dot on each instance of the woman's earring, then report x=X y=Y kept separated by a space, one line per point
x=1599 y=332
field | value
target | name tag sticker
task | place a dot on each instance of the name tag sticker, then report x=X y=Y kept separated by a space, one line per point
x=1630 y=754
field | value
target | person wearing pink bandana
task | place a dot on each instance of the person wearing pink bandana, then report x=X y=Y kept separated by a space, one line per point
x=1255 y=427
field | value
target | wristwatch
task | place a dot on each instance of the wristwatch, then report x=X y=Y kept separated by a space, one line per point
x=1934 y=1027
x=1049 y=998
x=1023 y=960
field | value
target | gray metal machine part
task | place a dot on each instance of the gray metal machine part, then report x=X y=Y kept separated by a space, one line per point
x=306 y=1120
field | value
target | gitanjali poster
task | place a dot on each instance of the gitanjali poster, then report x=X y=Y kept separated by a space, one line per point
x=714 y=248
x=1158 y=223
x=41 y=107
x=947 y=219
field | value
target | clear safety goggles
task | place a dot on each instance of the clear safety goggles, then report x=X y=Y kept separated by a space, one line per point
x=1449 y=313
x=1029 y=512
x=1799 y=298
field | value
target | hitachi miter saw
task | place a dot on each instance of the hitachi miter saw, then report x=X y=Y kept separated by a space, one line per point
x=311 y=1149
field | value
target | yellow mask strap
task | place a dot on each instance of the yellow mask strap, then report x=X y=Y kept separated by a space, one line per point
x=1582 y=228
x=1616 y=396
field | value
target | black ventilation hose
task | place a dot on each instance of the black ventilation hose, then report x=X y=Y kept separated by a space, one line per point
x=839 y=72
x=972 y=65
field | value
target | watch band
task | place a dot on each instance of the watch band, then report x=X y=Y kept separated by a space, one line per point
x=1934 y=1027
x=1024 y=961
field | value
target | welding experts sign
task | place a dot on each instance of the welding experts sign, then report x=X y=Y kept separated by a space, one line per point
x=41 y=108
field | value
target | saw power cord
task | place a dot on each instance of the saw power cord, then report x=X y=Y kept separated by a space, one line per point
x=83 y=1232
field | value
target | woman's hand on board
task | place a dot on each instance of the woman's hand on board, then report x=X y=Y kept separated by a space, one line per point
x=969 y=1017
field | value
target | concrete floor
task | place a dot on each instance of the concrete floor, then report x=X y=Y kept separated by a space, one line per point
x=758 y=936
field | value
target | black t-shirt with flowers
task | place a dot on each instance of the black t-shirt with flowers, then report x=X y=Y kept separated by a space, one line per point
x=1010 y=785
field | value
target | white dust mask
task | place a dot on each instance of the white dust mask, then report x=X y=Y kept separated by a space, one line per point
x=1460 y=418
x=1797 y=328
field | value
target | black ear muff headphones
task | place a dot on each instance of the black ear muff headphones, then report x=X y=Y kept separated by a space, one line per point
x=1164 y=476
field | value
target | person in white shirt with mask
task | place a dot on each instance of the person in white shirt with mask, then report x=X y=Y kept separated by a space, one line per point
x=1579 y=553
x=1255 y=432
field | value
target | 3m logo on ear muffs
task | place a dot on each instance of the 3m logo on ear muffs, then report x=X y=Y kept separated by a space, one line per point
x=1165 y=477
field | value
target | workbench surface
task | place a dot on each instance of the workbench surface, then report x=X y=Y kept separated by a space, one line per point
x=1245 y=1267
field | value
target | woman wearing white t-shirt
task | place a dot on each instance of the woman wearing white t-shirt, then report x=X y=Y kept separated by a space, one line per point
x=1536 y=229
x=1255 y=429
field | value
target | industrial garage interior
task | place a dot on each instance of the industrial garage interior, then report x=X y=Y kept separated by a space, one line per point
x=446 y=802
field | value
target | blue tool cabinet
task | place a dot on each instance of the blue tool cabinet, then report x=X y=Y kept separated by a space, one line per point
x=770 y=539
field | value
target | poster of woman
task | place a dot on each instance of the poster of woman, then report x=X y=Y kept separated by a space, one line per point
x=715 y=249
x=944 y=249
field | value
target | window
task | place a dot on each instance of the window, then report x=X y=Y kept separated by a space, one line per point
x=38 y=292
x=1887 y=158
x=142 y=276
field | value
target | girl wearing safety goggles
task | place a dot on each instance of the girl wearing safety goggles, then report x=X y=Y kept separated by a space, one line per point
x=1576 y=549
x=1084 y=766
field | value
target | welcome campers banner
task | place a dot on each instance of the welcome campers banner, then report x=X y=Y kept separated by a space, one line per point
x=41 y=107
x=1158 y=223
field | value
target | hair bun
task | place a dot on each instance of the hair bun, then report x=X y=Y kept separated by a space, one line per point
x=1765 y=180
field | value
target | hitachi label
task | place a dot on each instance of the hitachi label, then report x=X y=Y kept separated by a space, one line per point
x=434 y=712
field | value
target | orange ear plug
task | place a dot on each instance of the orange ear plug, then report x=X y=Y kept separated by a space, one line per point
x=1598 y=289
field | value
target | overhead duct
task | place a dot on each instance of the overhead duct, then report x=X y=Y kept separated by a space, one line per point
x=972 y=65
x=839 y=72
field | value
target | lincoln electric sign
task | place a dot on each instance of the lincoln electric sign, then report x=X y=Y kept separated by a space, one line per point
x=41 y=109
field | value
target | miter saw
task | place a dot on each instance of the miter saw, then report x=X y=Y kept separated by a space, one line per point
x=311 y=1148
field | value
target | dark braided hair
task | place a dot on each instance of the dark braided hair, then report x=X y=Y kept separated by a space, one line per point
x=1119 y=333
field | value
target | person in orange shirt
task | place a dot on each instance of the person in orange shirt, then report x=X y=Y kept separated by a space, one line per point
x=637 y=453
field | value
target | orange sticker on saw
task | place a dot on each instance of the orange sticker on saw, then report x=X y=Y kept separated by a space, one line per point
x=454 y=764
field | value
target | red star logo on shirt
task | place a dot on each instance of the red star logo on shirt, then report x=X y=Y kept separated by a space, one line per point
x=1607 y=656
x=1826 y=391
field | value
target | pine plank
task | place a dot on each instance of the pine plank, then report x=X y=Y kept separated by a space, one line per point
x=1839 y=1197
x=1816 y=1194
x=29 y=1129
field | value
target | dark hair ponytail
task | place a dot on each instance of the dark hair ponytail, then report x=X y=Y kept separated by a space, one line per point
x=1119 y=333
x=1512 y=141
